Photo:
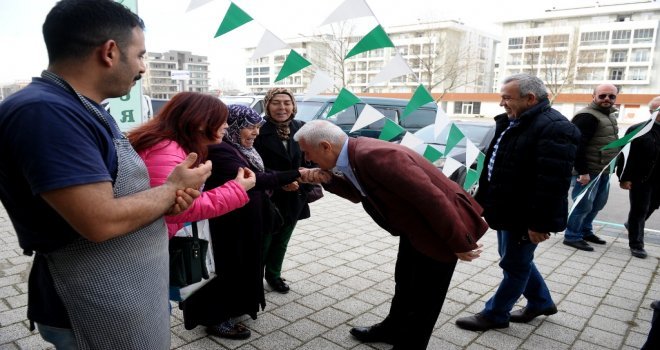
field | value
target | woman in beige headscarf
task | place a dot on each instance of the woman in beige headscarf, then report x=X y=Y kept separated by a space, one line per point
x=280 y=152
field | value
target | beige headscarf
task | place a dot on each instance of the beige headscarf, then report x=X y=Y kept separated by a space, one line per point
x=282 y=127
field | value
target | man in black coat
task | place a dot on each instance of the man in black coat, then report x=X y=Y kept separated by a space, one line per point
x=641 y=176
x=524 y=193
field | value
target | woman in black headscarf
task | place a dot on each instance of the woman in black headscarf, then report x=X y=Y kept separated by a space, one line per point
x=237 y=236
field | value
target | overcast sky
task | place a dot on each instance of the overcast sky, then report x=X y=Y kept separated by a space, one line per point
x=169 y=27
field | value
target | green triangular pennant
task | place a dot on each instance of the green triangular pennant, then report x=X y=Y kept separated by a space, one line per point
x=419 y=98
x=455 y=136
x=432 y=154
x=471 y=178
x=344 y=100
x=234 y=18
x=375 y=39
x=294 y=62
x=390 y=130
x=480 y=162
x=624 y=140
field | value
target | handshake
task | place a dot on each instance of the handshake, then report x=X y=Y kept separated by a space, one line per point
x=314 y=176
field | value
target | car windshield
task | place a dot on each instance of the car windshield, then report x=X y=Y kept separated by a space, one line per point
x=474 y=132
x=238 y=100
x=307 y=110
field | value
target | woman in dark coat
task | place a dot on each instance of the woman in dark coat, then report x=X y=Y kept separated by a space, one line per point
x=237 y=237
x=280 y=152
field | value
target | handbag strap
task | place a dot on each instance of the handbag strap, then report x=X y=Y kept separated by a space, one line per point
x=194 y=229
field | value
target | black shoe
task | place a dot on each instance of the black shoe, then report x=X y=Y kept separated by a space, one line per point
x=278 y=285
x=234 y=331
x=638 y=253
x=582 y=245
x=594 y=239
x=479 y=322
x=525 y=315
x=377 y=333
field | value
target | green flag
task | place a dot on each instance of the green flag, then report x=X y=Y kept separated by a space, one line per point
x=375 y=39
x=294 y=62
x=455 y=136
x=471 y=178
x=419 y=98
x=390 y=130
x=432 y=154
x=480 y=162
x=344 y=100
x=624 y=140
x=234 y=18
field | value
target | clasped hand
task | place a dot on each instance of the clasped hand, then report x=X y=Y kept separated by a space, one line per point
x=314 y=176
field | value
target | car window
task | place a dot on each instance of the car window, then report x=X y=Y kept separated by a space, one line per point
x=419 y=119
x=307 y=110
x=237 y=100
x=476 y=134
x=345 y=117
x=390 y=113
x=259 y=107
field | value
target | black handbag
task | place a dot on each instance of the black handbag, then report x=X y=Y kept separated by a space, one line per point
x=188 y=259
x=315 y=193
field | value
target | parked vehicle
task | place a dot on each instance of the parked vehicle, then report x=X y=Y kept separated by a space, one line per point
x=481 y=134
x=318 y=107
x=253 y=101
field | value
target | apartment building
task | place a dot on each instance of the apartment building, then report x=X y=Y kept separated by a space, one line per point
x=158 y=80
x=573 y=50
x=443 y=55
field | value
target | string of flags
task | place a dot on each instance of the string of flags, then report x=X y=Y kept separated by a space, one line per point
x=377 y=38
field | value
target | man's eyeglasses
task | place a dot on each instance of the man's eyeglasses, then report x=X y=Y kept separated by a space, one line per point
x=602 y=97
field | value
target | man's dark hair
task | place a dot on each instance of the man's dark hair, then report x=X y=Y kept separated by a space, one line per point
x=73 y=28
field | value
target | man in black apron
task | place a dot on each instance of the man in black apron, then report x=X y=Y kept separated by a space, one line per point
x=77 y=193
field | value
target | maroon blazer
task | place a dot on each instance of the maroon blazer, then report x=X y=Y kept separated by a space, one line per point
x=407 y=195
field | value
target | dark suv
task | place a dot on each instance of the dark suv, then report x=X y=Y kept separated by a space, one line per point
x=318 y=107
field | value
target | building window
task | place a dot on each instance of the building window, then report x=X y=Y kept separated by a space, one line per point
x=560 y=40
x=264 y=81
x=514 y=59
x=590 y=74
x=616 y=73
x=643 y=35
x=637 y=73
x=640 y=55
x=621 y=37
x=531 y=58
x=264 y=70
x=467 y=107
x=532 y=42
x=592 y=56
x=515 y=43
x=402 y=50
x=594 y=38
x=248 y=71
x=619 y=56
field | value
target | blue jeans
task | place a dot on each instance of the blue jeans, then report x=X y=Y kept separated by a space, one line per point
x=62 y=338
x=580 y=223
x=520 y=278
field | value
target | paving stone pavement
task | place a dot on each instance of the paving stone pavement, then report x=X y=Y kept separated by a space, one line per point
x=340 y=267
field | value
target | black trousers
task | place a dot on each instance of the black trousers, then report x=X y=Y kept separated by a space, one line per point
x=421 y=287
x=644 y=200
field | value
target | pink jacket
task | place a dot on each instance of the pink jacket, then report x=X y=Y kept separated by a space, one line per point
x=162 y=158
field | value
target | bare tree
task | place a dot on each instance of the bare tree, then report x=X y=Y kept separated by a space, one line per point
x=338 y=42
x=446 y=61
x=558 y=63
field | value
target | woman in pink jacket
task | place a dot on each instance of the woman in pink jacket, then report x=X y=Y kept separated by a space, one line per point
x=190 y=122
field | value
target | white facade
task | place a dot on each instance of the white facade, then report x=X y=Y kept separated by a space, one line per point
x=581 y=48
x=428 y=48
x=158 y=82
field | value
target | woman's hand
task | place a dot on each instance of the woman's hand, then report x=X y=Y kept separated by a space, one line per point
x=246 y=178
x=291 y=187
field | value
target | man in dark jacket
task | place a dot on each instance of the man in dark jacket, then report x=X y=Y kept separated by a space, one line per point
x=598 y=126
x=641 y=176
x=524 y=193
x=436 y=220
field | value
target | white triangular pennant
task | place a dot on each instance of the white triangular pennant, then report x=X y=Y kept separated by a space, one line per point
x=471 y=152
x=413 y=142
x=197 y=3
x=347 y=10
x=268 y=43
x=396 y=67
x=368 y=116
x=625 y=151
x=322 y=81
x=441 y=121
x=450 y=166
